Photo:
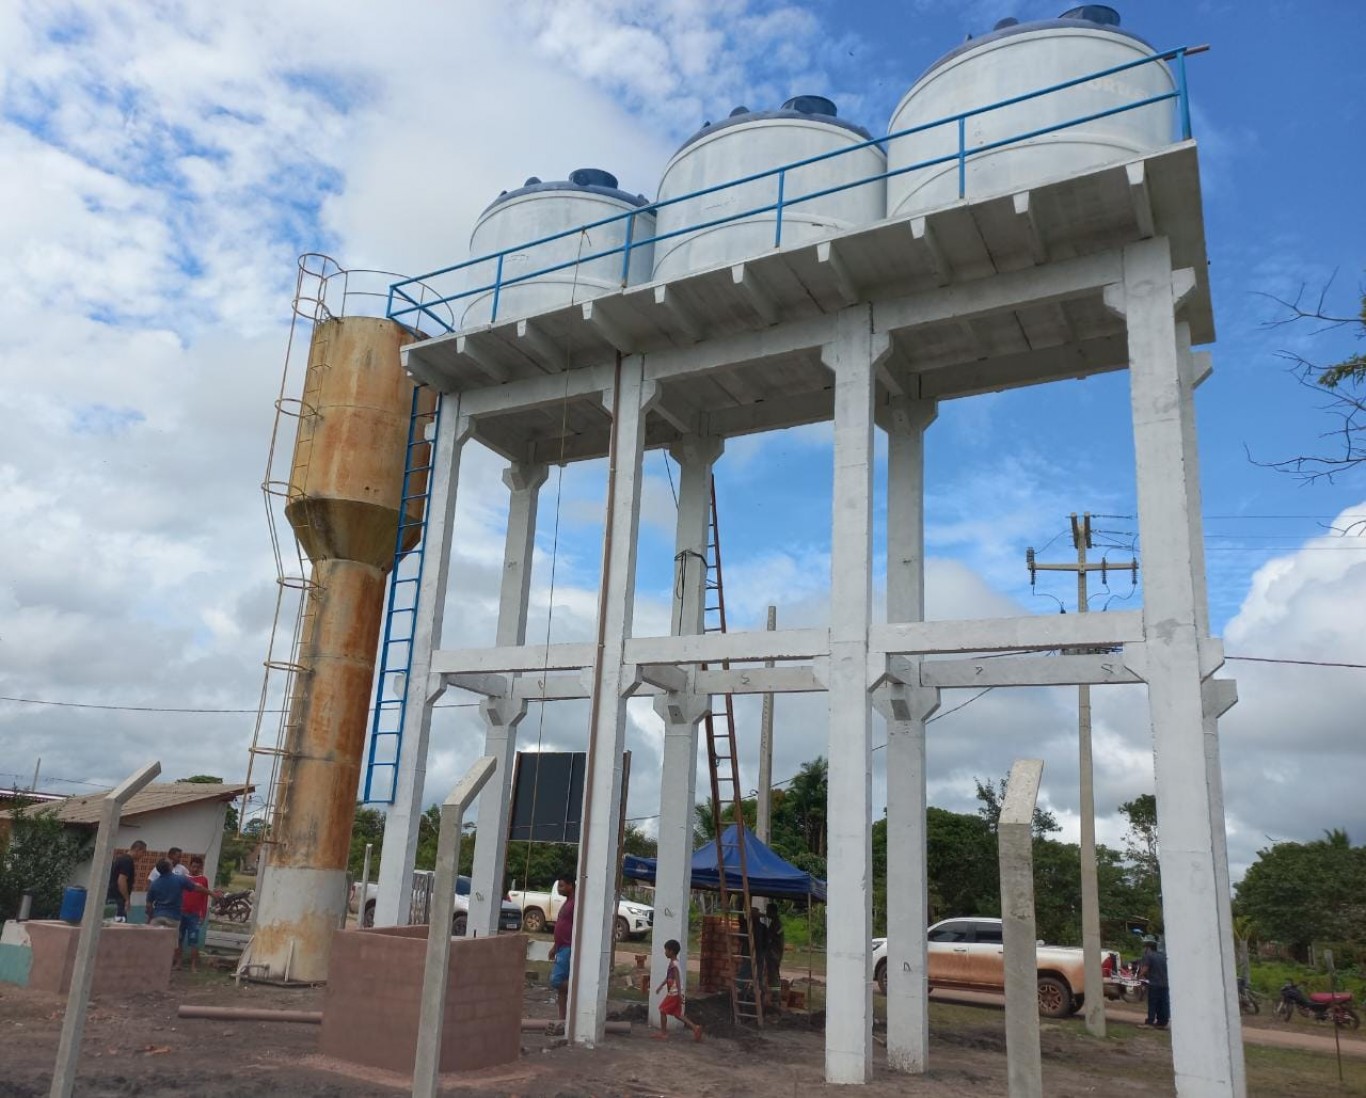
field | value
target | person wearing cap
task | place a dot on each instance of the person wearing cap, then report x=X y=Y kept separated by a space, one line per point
x=1152 y=966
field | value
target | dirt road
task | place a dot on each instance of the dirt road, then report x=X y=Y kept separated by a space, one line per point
x=139 y=1046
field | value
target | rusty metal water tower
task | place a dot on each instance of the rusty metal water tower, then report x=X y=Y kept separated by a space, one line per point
x=342 y=499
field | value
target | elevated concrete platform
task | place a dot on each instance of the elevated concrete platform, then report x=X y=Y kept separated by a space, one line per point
x=914 y=271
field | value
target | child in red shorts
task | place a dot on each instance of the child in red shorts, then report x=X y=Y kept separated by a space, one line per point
x=672 y=1004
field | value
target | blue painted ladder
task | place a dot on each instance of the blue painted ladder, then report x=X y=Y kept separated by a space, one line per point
x=400 y=618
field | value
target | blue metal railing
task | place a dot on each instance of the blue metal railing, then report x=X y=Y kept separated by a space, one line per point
x=400 y=617
x=402 y=304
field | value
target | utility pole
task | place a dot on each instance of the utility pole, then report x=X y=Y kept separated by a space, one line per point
x=1090 y=892
x=763 y=814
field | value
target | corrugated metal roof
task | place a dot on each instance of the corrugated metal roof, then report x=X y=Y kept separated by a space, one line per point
x=157 y=797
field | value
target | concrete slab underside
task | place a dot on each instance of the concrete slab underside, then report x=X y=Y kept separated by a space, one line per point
x=1099 y=272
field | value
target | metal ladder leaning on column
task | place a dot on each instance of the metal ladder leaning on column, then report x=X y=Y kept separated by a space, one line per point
x=746 y=992
x=400 y=615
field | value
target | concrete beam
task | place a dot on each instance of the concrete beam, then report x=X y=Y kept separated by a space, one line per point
x=1029 y=226
x=682 y=317
x=488 y=365
x=1139 y=198
x=828 y=258
x=1070 y=360
x=1027 y=671
x=595 y=313
x=745 y=647
x=540 y=348
x=503 y=659
x=1044 y=631
x=924 y=234
x=1057 y=281
x=755 y=292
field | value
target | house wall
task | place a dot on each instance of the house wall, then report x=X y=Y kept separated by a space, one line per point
x=195 y=828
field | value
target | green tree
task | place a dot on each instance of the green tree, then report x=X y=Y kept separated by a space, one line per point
x=1301 y=893
x=1344 y=382
x=962 y=865
x=992 y=795
x=367 y=827
x=1142 y=870
x=38 y=856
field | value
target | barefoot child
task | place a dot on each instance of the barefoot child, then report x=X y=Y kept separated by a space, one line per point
x=672 y=1004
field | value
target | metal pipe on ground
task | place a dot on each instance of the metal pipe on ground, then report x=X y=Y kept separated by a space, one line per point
x=249 y=1014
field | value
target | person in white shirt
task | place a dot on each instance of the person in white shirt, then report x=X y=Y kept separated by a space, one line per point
x=173 y=856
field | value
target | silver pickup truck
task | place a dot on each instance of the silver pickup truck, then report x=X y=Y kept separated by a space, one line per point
x=968 y=954
x=510 y=918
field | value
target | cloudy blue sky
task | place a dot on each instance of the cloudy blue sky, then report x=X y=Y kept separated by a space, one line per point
x=166 y=162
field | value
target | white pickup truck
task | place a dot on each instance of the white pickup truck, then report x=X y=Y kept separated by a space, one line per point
x=541 y=909
x=969 y=954
x=509 y=918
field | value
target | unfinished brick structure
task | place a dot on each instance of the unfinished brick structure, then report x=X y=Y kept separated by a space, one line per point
x=374 y=991
x=130 y=959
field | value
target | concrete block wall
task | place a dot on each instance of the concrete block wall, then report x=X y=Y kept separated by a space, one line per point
x=130 y=959
x=370 y=1012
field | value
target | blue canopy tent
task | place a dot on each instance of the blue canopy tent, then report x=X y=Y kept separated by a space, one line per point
x=769 y=875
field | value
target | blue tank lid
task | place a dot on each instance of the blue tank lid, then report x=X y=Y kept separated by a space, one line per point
x=813 y=108
x=591 y=180
x=1091 y=16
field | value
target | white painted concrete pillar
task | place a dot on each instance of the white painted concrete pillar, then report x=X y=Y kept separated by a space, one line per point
x=1015 y=849
x=673 y=868
x=394 y=886
x=853 y=358
x=501 y=716
x=1219 y=695
x=906 y=709
x=591 y=963
x=1206 y=1036
x=678 y=781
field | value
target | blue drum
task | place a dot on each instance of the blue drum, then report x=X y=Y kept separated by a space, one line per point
x=73 y=904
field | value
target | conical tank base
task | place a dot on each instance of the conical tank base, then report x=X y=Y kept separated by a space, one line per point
x=306 y=908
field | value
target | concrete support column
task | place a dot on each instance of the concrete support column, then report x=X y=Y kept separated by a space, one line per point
x=906 y=709
x=394 y=887
x=673 y=869
x=501 y=717
x=681 y=713
x=1206 y=1042
x=853 y=358
x=594 y=912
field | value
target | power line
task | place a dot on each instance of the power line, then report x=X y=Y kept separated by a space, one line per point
x=1297 y=663
x=181 y=709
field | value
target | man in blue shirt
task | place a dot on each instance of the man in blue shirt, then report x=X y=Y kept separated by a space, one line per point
x=164 y=896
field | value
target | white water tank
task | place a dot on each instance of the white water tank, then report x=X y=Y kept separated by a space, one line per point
x=749 y=142
x=1015 y=59
x=535 y=210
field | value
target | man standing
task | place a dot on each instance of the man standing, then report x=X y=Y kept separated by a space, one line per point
x=164 y=898
x=1153 y=967
x=194 y=907
x=562 y=949
x=174 y=855
x=121 y=876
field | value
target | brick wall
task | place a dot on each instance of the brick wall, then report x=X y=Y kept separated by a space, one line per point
x=374 y=989
x=129 y=959
x=146 y=862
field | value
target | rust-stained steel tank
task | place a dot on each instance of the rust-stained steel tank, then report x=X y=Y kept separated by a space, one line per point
x=343 y=504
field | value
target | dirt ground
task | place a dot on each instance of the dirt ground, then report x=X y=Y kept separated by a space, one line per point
x=137 y=1046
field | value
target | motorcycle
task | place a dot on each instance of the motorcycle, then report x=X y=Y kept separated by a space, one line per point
x=1322 y=1006
x=235 y=907
x=1249 y=1000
